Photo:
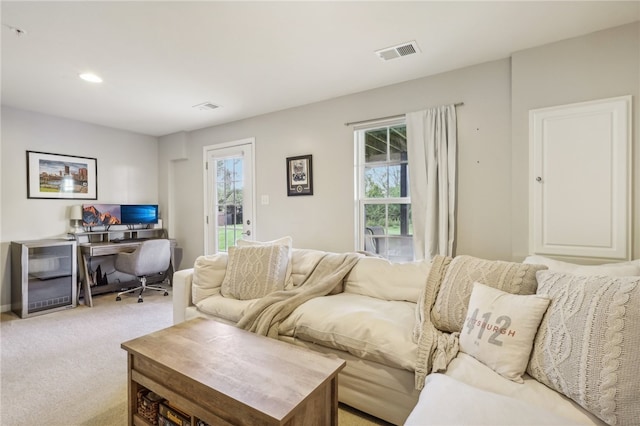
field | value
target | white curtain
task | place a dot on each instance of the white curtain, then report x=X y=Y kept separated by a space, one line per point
x=431 y=145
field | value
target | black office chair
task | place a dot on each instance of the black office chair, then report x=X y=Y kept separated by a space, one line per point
x=151 y=257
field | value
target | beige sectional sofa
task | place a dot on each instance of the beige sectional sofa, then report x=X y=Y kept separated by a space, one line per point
x=369 y=323
x=411 y=346
x=580 y=368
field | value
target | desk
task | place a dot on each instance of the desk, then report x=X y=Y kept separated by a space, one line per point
x=105 y=244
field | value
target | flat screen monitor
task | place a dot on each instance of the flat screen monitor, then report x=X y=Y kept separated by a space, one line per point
x=134 y=214
x=101 y=214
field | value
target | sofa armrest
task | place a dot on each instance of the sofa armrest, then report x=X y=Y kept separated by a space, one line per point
x=182 y=281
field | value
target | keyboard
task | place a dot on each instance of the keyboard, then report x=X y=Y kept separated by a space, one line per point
x=129 y=240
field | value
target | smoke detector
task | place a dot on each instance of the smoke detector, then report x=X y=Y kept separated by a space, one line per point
x=206 y=106
x=404 y=49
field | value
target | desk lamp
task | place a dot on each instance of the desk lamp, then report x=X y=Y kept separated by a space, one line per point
x=75 y=214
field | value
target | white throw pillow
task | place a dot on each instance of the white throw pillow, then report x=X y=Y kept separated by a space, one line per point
x=500 y=328
x=619 y=269
x=284 y=241
x=255 y=271
x=208 y=274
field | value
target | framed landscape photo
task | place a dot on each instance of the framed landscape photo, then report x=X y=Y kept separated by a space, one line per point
x=61 y=176
x=299 y=175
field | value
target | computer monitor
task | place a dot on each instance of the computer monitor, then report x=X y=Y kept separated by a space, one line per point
x=136 y=214
x=101 y=214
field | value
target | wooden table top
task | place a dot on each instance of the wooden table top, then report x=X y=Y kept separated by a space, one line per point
x=265 y=374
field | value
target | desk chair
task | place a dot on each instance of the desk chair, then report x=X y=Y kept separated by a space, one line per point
x=151 y=257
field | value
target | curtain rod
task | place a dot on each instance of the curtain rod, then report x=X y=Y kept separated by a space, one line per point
x=386 y=118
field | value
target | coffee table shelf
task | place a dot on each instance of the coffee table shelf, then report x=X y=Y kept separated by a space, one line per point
x=139 y=421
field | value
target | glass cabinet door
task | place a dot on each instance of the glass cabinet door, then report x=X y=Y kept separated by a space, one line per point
x=50 y=272
x=43 y=276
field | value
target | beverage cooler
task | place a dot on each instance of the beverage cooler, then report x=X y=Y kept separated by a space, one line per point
x=43 y=276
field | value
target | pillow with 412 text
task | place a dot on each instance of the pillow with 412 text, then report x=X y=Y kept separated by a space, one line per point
x=500 y=328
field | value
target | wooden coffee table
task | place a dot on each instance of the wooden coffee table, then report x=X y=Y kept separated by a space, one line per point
x=223 y=375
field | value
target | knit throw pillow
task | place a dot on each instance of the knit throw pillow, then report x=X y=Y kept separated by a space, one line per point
x=284 y=241
x=255 y=271
x=500 y=328
x=588 y=341
x=450 y=307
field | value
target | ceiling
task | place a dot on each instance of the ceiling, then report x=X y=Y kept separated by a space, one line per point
x=158 y=59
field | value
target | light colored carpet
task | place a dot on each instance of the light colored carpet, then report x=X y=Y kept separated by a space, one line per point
x=67 y=368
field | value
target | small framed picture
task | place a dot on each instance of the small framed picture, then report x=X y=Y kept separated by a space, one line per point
x=61 y=176
x=299 y=175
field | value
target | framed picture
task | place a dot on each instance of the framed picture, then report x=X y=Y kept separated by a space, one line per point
x=61 y=176
x=299 y=175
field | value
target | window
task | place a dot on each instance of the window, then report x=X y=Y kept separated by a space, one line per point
x=229 y=192
x=382 y=189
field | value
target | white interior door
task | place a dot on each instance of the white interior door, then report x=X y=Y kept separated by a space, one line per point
x=580 y=180
x=229 y=197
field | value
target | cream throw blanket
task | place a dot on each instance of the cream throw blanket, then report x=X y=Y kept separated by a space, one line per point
x=435 y=348
x=264 y=317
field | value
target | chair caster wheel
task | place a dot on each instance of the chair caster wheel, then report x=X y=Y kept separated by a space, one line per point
x=166 y=293
x=140 y=300
x=118 y=299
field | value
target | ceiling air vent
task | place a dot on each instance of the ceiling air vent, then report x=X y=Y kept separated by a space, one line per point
x=403 y=49
x=206 y=106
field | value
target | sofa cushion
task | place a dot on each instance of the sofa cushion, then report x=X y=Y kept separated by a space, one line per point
x=620 y=269
x=469 y=370
x=208 y=274
x=304 y=261
x=255 y=271
x=379 y=278
x=225 y=307
x=500 y=328
x=447 y=401
x=451 y=303
x=587 y=344
x=364 y=326
x=284 y=241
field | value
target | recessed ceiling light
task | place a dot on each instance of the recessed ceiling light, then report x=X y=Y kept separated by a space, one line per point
x=92 y=78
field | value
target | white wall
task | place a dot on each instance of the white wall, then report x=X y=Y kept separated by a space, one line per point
x=601 y=65
x=172 y=148
x=127 y=173
x=492 y=159
x=326 y=219
x=492 y=214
